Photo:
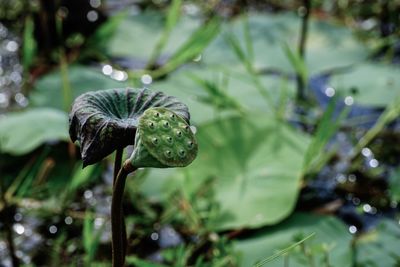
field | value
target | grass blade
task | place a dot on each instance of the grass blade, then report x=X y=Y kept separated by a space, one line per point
x=282 y=252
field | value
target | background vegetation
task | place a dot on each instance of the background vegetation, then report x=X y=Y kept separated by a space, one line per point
x=296 y=105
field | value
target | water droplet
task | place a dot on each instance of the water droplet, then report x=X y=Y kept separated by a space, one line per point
x=356 y=201
x=95 y=3
x=169 y=139
x=19 y=228
x=18 y=217
x=367 y=208
x=21 y=100
x=341 y=178
x=198 y=58
x=107 y=70
x=68 y=220
x=373 y=210
x=179 y=134
x=88 y=194
x=373 y=163
x=166 y=124
x=3 y=100
x=154 y=236
x=352 y=229
x=157 y=114
x=349 y=100
x=53 y=229
x=19 y=253
x=16 y=77
x=3 y=246
x=329 y=91
x=28 y=232
x=146 y=79
x=301 y=11
x=172 y=116
x=366 y=152
x=352 y=178
x=191 y=9
x=12 y=46
x=98 y=222
x=119 y=75
x=92 y=15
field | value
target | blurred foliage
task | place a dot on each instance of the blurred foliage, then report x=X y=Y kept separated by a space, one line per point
x=260 y=151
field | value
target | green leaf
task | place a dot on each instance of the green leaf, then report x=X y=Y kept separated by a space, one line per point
x=282 y=252
x=328 y=45
x=254 y=160
x=48 y=90
x=172 y=19
x=372 y=84
x=22 y=132
x=379 y=247
x=193 y=46
x=331 y=238
x=150 y=27
x=29 y=44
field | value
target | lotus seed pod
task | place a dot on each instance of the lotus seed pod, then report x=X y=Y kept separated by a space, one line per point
x=103 y=121
x=163 y=140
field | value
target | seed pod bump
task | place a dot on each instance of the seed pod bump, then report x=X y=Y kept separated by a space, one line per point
x=165 y=124
x=154 y=140
x=182 y=153
x=168 y=153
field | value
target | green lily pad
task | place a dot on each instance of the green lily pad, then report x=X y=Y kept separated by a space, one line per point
x=137 y=35
x=256 y=163
x=328 y=45
x=48 y=90
x=372 y=84
x=379 y=247
x=330 y=235
x=239 y=87
x=22 y=132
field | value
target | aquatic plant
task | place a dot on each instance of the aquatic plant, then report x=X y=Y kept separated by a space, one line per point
x=156 y=125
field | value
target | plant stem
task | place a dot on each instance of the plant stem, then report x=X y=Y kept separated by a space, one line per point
x=117 y=219
x=117 y=163
x=117 y=167
x=302 y=46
